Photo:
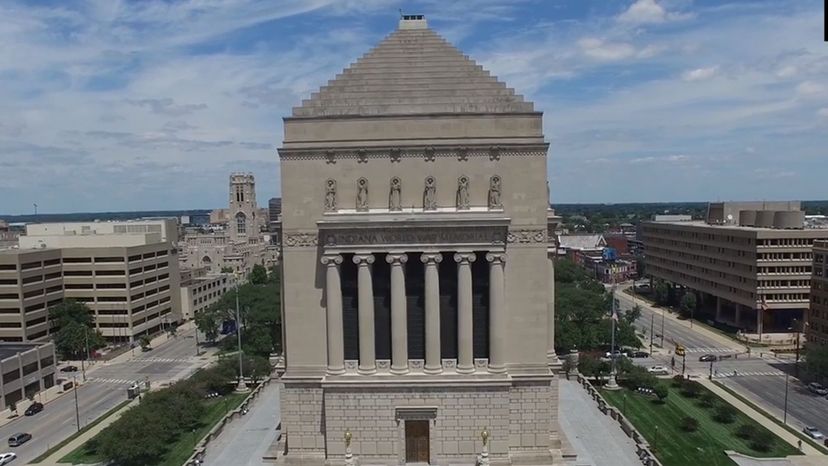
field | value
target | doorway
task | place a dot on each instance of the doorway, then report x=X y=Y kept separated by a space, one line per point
x=416 y=441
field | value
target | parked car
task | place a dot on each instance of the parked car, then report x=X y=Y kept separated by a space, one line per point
x=658 y=370
x=813 y=432
x=641 y=354
x=707 y=357
x=34 y=408
x=19 y=439
x=6 y=458
x=614 y=354
x=817 y=388
x=69 y=369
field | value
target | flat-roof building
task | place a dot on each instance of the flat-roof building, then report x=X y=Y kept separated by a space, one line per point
x=27 y=369
x=817 y=329
x=749 y=262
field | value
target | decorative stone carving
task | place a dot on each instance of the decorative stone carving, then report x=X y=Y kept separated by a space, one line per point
x=395 y=196
x=462 y=154
x=300 y=240
x=526 y=236
x=430 y=194
x=395 y=155
x=331 y=259
x=463 y=193
x=481 y=363
x=429 y=154
x=362 y=156
x=449 y=363
x=494 y=193
x=416 y=364
x=383 y=364
x=351 y=364
x=329 y=157
x=494 y=153
x=330 y=195
x=416 y=235
x=362 y=195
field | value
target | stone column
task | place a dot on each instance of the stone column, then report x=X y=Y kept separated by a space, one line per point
x=497 y=312
x=465 y=329
x=365 y=302
x=399 y=323
x=333 y=304
x=433 y=362
x=551 y=356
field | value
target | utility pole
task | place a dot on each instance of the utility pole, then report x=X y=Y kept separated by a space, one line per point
x=662 y=327
x=612 y=384
x=652 y=324
x=242 y=387
x=785 y=415
x=77 y=409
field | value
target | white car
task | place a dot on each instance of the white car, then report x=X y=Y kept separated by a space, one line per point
x=813 y=432
x=658 y=370
x=6 y=458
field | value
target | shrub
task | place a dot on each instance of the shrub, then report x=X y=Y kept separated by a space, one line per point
x=678 y=381
x=725 y=414
x=746 y=431
x=661 y=391
x=762 y=440
x=707 y=400
x=691 y=389
x=689 y=424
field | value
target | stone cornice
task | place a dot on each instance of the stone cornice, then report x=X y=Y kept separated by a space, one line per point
x=427 y=153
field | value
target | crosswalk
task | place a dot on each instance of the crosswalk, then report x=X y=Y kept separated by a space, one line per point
x=112 y=381
x=163 y=360
x=710 y=350
x=722 y=375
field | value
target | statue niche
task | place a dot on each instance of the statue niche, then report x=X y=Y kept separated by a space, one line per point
x=362 y=195
x=430 y=194
x=330 y=195
x=395 y=195
x=463 y=193
x=495 y=201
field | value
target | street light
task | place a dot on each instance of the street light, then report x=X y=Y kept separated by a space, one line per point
x=612 y=384
x=241 y=387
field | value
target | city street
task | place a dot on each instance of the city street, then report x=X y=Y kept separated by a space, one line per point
x=246 y=439
x=105 y=388
x=758 y=377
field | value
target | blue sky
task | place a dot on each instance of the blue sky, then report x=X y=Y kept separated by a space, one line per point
x=119 y=105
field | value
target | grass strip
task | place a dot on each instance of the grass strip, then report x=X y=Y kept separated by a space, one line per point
x=772 y=418
x=660 y=424
x=66 y=441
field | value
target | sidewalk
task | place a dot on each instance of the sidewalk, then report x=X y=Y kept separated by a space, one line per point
x=701 y=329
x=82 y=438
x=784 y=434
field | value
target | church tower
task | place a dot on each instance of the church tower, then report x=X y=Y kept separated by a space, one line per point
x=242 y=213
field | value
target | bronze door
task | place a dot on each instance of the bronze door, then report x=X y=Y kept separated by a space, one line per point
x=416 y=442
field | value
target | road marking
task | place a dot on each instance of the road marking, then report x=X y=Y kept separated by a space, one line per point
x=749 y=374
x=163 y=359
x=115 y=381
x=710 y=350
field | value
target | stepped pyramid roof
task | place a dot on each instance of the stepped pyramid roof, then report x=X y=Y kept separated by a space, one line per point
x=413 y=71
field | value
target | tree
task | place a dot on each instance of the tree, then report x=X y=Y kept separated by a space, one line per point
x=816 y=362
x=258 y=276
x=144 y=341
x=762 y=440
x=661 y=391
x=691 y=389
x=689 y=424
x=725 y=413
x=662 y=293
x=632 y=315
x=688 y=303
x=227 y=269
x=707 y=400
x=74 y=332
x=746 y=431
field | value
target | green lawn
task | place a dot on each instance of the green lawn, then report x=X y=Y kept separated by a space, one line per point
x=659 y=424
x=183 y=447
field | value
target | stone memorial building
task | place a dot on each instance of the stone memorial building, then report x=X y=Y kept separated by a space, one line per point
x=418 y=281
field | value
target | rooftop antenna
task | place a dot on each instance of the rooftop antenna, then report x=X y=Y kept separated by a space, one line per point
x=35 y=208
x=401 y=13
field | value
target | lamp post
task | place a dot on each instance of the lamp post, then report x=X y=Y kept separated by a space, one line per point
x=77 y=409
x=241 y=387
x=652 y=328
x=785 y=411
x=612 y=384
x=662 y=327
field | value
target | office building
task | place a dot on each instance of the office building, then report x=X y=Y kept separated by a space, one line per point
x=27 y=369
x=817 y=329
x=748 y=262
x=417 y=265
x=31 y=281
x=200 y=290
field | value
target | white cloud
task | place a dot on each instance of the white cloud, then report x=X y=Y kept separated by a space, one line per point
x=649 y=12
x=823 y=112
x=810 y=88
x=608 y=51
x=676 y=158
x=700 y=74
x=787 y=71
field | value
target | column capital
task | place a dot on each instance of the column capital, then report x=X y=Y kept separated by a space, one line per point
x=496 y=257
x=431 y=258
x=396 y=258
x=464 y=257
x=331 y=260
x=363 y=259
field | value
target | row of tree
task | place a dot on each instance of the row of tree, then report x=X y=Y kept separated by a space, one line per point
x=583 y=313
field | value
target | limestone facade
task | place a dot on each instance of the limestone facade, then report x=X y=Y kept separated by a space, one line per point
x=417 y=267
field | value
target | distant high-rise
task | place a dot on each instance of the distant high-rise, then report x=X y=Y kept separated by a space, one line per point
x=274 y=209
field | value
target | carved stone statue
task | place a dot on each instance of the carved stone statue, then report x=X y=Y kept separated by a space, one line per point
x=463 y=193
x=362 y=195
x=430 y=194
x=494 y=193
x=395 y=196
x=330 y=195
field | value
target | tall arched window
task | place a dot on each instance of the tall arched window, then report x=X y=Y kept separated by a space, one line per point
x=241 y=223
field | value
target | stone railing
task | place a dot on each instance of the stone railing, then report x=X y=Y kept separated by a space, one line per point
x=642 y=447
x=197 y=458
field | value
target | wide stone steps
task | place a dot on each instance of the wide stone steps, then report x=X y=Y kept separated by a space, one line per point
x=416 y=92
x=402 y=99
x=438 y=82
x=409 y=68
x=371 y=110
